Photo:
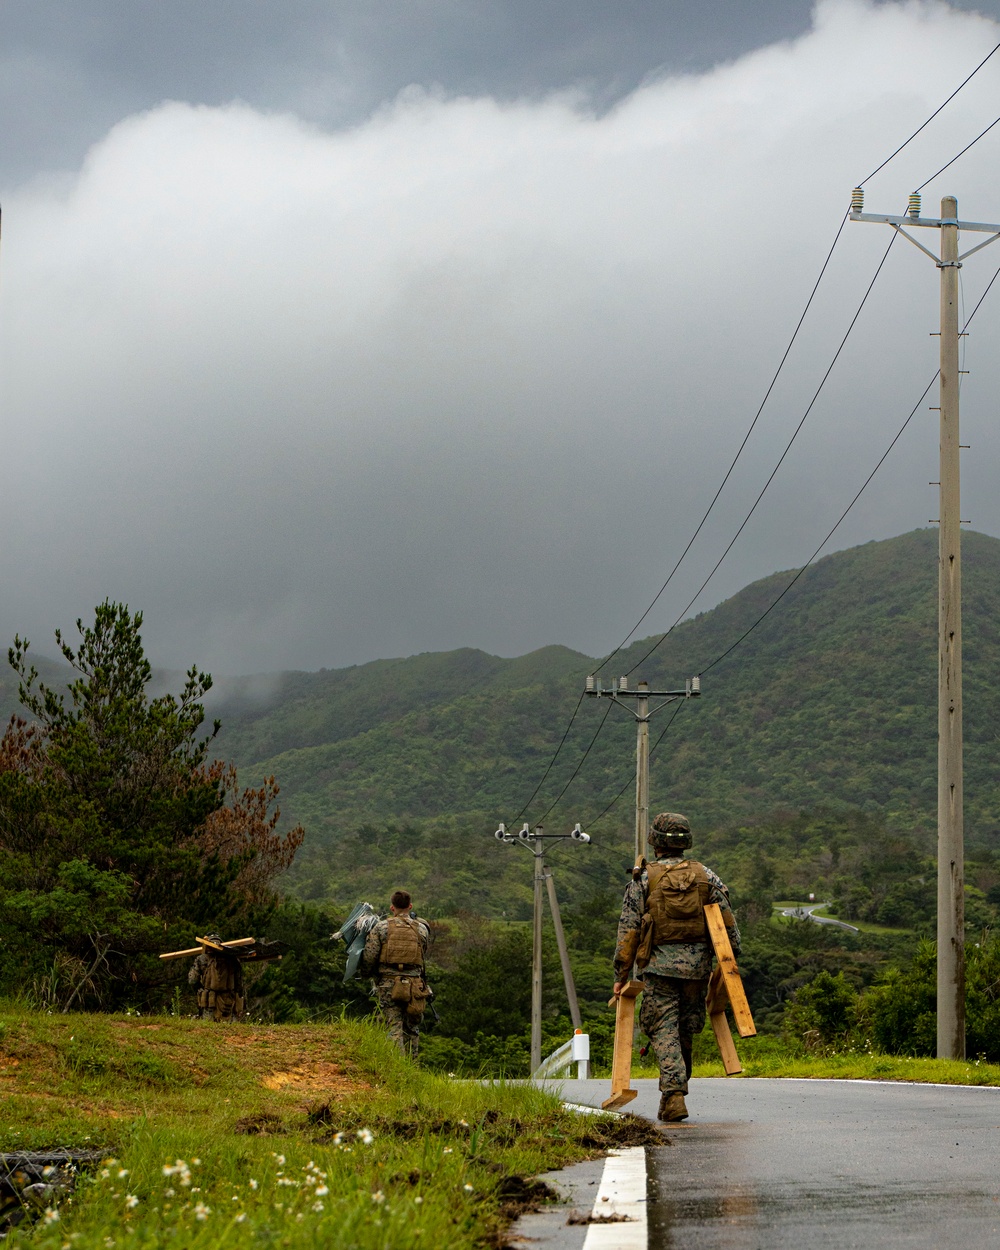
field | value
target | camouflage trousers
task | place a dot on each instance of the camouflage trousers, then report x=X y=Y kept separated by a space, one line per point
x=219 y=1005
x=672 y=1013
x=399 y=1027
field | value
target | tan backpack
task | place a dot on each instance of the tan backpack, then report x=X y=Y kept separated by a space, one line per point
x=675 y=907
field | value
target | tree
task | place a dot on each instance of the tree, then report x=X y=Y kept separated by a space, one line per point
x=115 y=832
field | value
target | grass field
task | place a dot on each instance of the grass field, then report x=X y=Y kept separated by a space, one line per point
x=286 y=1136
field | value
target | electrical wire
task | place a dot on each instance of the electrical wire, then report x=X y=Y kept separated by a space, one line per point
x=753 y=424
x=864 y=486
x=907 y=142
x=788 y=446
x=747 y=632
x=576 y=771
x=740 y=449
x=962 y=153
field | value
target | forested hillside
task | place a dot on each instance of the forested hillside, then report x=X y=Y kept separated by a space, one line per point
x=830 y=702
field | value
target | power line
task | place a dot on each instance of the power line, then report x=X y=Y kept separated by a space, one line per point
x=781 y=459
x=767 y=611
x=576 y=771
x=753 y=424
x=962 y=153
x=740 y=449
x=906 y=142
x=882 y=459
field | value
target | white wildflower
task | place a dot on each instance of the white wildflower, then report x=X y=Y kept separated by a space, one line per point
x=122 y=1173
x=280 y=1159
x=51 y=1215
x=338 y=1138
x=467 y=1188
x=241 y=1217
x=253 y=1184
x=447 y=1150
x=418 y=1199
x=104 y=1174
x=378 y=1196
x=322 y=1191
x=131 y=1202
x=201 y=1212
x=317 y=1206
x=464 y=1123
x=169 y=1193
x=195 y=1163
x=366 y=1136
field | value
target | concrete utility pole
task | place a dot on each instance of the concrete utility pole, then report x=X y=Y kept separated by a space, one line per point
x=642 y=695
x=533 y=842
x=951 y=855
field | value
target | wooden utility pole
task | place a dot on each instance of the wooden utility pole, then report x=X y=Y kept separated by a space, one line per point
x=642 y=770
x=534 y=842
x=951 y=854
x=536 y=965
x=642 y=712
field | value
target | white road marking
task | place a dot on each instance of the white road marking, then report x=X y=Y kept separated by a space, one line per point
x=622 y=1192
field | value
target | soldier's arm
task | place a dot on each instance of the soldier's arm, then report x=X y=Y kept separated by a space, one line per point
x=633 y=906
x=194 y=972
x=719 y=893
x=373 y=948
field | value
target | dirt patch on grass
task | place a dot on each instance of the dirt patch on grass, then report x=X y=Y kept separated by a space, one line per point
x=260 y=1125
x=623 y=1130
x=313 y=1077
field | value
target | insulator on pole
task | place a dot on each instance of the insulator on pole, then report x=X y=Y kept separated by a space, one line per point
x=913 y=208
x=622 y=683
x=857 y=199
x=590 y=682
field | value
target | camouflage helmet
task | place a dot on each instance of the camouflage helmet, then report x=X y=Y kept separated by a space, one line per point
x=670 y=831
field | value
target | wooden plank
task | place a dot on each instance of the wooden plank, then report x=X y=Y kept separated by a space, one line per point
x=730 y=972
x=621 y=1064
x=196 y=950
x=727 y=1047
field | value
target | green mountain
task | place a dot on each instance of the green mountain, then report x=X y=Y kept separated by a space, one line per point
x=831 y=700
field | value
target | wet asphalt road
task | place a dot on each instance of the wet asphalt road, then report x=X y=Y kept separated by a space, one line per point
x=774 y=1164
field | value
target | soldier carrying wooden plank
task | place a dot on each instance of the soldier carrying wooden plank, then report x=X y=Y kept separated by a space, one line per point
x=663 y=933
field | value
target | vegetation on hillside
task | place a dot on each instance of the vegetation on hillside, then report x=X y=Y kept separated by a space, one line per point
x=118 y=837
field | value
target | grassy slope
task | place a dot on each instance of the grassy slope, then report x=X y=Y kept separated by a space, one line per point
x=831 y=700
x=156 y=1090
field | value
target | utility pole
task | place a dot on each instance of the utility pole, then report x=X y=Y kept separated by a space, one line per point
x=642 y=694
x=533 y=841
x=951 y=855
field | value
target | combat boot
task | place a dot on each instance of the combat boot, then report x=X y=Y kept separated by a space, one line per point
x=672 y=1108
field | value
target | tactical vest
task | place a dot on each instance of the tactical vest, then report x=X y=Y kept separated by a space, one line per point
x=402 y=947
x=676 y=901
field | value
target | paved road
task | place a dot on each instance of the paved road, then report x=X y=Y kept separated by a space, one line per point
x=779 y=1164
x=807 y=911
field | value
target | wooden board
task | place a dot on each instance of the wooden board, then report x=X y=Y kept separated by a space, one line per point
x=196 y=950
x=621 y=1064
x=716 y=1007
x=729 y=970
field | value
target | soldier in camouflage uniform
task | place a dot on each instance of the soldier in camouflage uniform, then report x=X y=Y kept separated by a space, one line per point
x=394 y=956
x=219 y=978
x=666 y=926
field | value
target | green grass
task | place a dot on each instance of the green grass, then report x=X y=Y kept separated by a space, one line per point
x=771 y=1057
x=864 y=926
x=288 y=1136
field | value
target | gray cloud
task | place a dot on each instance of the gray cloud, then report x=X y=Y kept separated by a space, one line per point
x=465 y=374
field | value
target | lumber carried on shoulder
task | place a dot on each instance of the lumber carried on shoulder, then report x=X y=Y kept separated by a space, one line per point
x=726 y=987
x=203 y=942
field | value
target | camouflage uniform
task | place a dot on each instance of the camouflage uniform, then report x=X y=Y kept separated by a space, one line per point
x=400 y=1026
x=676 y=979
x=219 y=978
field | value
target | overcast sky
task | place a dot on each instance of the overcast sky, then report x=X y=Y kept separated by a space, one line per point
x=337 y=331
